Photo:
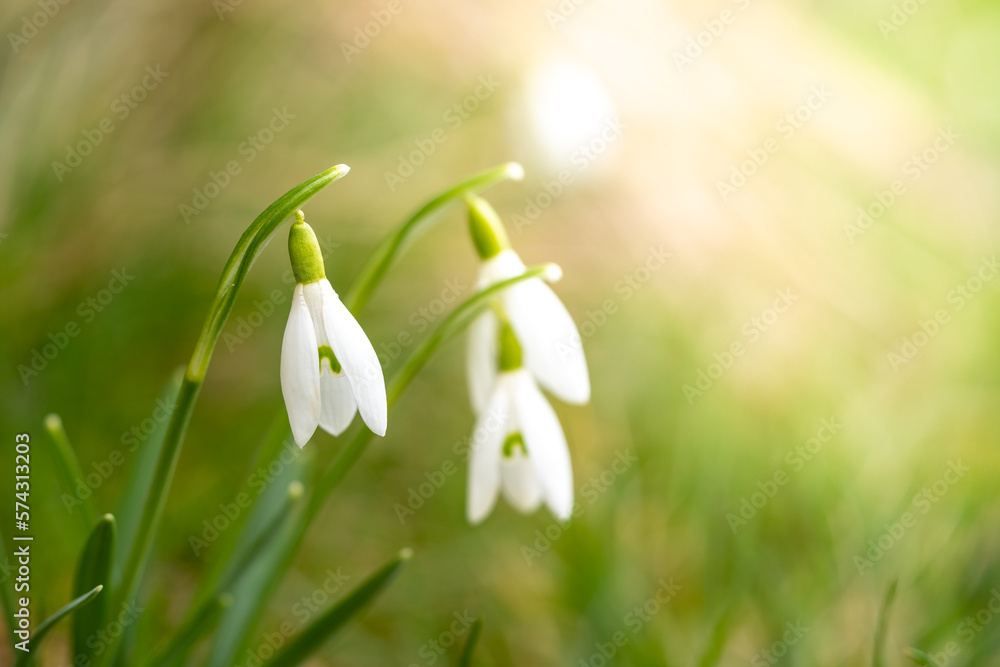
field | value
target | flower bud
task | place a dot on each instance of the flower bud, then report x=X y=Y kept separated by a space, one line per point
x=488 y=234
x=304 y=252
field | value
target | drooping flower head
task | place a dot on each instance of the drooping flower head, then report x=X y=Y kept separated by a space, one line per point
x=329 y=369
x=518 y=445
x=553 y=351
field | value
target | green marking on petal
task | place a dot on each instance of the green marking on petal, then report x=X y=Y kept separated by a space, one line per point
x=326 y=352
x=514 y=440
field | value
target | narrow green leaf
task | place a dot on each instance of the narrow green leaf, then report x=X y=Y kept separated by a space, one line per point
x=225 y=553
x=46 y=625
x=140 y=476
x=302 y=646
x=7 y=590
x=197 y=626
x=919 y=657
x=228 y=580
x=276 y=542
x=68 y=470
x=390 y=249
x=261 y=536
x=881 y=629
x=470 y=644
x=93 y=569
x=717 y=642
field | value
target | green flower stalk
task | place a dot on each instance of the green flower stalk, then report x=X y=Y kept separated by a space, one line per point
x=390 y=249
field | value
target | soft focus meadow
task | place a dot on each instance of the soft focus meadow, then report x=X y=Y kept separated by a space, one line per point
x=777 y=223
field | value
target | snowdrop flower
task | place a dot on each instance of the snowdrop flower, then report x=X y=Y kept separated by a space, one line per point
x=553 y=351
x=518 y=445
x=329 y=369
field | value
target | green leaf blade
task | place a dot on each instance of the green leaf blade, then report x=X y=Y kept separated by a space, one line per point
x=392 y=247
x=878 y=660
x=470 y=644
x=43 y=629
x=335 y=618
x=94 y=569
x=68 y=470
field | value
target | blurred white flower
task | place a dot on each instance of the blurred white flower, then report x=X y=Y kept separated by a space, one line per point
x=329 y=369
x=518 y=446
x=553 y=350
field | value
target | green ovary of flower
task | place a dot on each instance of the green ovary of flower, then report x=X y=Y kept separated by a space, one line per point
x=304 y=252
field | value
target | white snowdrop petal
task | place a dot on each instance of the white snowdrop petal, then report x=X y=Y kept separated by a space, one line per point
x=481 y=359
x=519 y=483
x=300 y=370
x=545 y=442
x=552 y=347
x=337 y=402
x=506 y=264
x=484 y=465
x=357 y=357
x=313 y=293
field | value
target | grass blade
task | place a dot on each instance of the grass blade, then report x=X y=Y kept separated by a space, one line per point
x=7 y=591
x=470 y=644
x=140 y=477
x=46 y=625
x=197 y=626
x=717 y=642
x=230 y=547
x=276 y=544
x=883 y=625
x=93 y=570
x=68 y=470
x=919 y=657
x=302 y=646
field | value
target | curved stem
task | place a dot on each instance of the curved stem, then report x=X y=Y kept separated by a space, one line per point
x=250 y=245
x=392 y=246
x=247 y=249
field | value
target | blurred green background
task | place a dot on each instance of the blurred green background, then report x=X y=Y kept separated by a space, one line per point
x=745 y=139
